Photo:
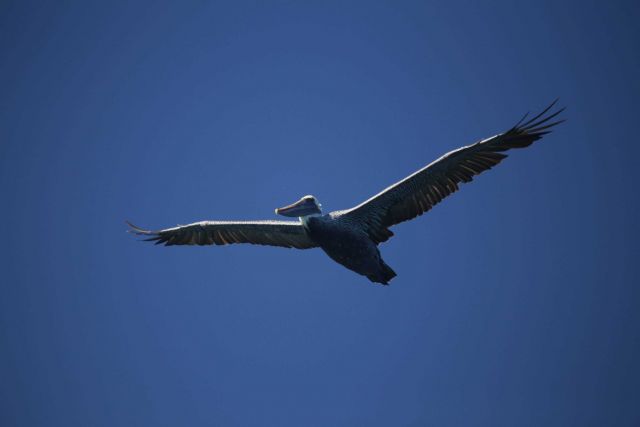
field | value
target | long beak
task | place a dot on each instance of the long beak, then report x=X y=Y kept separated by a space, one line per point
x=294 y=209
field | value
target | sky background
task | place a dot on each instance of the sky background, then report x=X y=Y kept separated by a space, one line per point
x=517 y=298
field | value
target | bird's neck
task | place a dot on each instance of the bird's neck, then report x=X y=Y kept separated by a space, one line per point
x=305 y=219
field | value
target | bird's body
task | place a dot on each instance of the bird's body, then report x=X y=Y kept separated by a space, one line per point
x=351 y=237
x=347 y=244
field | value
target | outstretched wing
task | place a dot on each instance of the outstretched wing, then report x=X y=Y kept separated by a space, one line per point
x=286 y=234
x=419 y=192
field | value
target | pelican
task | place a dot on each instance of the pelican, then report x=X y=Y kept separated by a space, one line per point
x=351 y=237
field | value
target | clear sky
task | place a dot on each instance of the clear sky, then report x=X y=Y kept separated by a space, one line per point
x=516 y=301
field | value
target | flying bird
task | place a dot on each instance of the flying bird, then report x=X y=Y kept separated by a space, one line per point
x=351 y=237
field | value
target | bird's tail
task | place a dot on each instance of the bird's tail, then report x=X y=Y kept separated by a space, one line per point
x=387 y=273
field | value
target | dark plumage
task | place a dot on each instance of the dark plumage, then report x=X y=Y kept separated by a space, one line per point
x=351 y=237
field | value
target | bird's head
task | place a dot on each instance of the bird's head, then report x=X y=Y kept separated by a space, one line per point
x=308 y=205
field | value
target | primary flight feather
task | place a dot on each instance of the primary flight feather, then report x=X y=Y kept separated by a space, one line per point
x=351 y=237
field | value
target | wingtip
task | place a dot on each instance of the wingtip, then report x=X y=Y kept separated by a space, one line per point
x=535 y=123
x=135 y=229
x=521 y=120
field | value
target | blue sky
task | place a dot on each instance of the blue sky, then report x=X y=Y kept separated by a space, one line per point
x=516 y=301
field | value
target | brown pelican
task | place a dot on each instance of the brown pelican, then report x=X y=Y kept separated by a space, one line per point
x=351 y=237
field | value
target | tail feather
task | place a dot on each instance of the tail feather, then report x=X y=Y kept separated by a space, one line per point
x=387 y=273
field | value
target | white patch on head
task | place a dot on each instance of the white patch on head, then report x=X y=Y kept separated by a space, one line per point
x=309 y=197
